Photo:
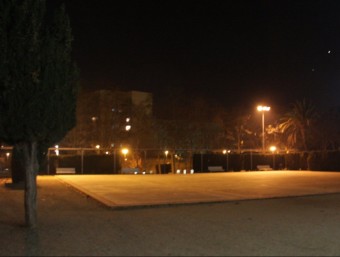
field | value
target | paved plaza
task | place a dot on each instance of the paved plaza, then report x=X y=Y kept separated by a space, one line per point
x=121 y=191
x=289 y=213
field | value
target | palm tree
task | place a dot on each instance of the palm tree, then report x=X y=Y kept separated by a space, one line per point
x=297 y=124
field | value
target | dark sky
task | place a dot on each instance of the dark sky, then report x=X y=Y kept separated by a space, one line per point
x=232 y=52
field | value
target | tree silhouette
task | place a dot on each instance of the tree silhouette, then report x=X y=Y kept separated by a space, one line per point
x=37 y=85
x=297 y=124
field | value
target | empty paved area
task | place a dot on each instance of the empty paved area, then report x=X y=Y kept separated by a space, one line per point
x=120 y=191
x=73 y=224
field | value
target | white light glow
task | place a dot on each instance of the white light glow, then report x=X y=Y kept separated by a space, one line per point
x=125 y=151
x=272 y=148
x=261 y=108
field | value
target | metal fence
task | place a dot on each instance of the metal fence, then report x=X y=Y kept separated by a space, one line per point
x=160 y=161
x=116 y=161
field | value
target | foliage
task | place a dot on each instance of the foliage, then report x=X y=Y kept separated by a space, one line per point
x=37 y=92
x=299 y=124
x=37 y=85
x=329 y=129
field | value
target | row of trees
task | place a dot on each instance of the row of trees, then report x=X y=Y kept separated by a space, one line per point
x=198 y=125
x=301 y=127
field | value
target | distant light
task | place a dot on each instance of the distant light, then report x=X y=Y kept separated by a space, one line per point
x=261 y=108
x=8 y=154
x=329 y=51
x=125 y=151
x=107 y=152
x=127 y=119
x=127 y=127
x=94 y=118
x=272 y=148
x=97 y=146
x=57 y=150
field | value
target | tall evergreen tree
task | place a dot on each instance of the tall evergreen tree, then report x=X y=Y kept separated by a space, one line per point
x=37 y=85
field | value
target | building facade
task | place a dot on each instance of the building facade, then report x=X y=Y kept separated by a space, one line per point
x=108 y=118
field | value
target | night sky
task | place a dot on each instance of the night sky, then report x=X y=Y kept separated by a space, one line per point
x=231 y=52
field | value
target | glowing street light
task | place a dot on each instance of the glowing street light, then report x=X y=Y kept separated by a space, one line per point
x=263 y=109
x=226 y=152
x=125 y=151
x=273 y=149
x=56 y=149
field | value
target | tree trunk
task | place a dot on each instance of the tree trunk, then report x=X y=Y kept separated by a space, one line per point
x=18 y=165
x=31 y=168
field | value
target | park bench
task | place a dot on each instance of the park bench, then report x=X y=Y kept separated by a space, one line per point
x=65 y=171
x=130 y=171
x=215 y=168
x=263 y=167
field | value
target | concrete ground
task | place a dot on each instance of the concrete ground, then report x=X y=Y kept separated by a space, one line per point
x=150 y=190
x=220 y=221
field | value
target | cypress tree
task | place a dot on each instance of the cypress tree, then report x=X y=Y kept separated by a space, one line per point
x=37 y=85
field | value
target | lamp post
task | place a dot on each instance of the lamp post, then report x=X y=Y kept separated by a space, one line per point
x=166 y=152
x=125 y=151
x=226 y=152
x=263 y=109
x=273 y=149
x=164 y=169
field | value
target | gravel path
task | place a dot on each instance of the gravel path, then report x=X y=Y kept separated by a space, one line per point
x=71 y=224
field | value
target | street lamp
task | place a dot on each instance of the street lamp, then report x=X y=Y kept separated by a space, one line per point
x=166 y=152
x=56 y=149
x=125 y=152
x=226 y=152
x=263 y=109
x=273 y=149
